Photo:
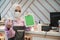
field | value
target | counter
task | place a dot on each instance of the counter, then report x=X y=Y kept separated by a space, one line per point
x=43 y=33
x=38 y=31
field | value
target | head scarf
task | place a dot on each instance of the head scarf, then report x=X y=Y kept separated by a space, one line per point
x=13 y=9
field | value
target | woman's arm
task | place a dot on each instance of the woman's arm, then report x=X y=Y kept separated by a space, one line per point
x=12 y=33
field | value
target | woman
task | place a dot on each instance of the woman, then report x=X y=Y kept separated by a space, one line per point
x=17 y=21
x=16 y=12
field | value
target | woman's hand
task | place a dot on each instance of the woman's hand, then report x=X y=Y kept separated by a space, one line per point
x=12 y=33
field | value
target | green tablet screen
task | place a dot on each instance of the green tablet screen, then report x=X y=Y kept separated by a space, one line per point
x=29 y=20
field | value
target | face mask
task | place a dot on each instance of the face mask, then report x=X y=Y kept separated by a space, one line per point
x=17 y=14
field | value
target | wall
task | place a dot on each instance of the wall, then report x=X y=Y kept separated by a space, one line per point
x=39 y=8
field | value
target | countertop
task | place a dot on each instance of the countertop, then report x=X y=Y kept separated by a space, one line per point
x=51 y=33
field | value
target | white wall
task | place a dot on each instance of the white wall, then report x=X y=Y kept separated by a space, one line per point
x=39 y=8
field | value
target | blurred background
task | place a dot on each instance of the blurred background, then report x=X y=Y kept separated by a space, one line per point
x=39 y=8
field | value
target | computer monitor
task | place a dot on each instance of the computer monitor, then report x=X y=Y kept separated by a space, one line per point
x=54 y=18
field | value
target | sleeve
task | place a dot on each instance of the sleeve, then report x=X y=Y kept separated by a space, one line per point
x=6 y=37
x=12 y=32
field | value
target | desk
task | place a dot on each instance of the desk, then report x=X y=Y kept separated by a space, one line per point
x=41 y=35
